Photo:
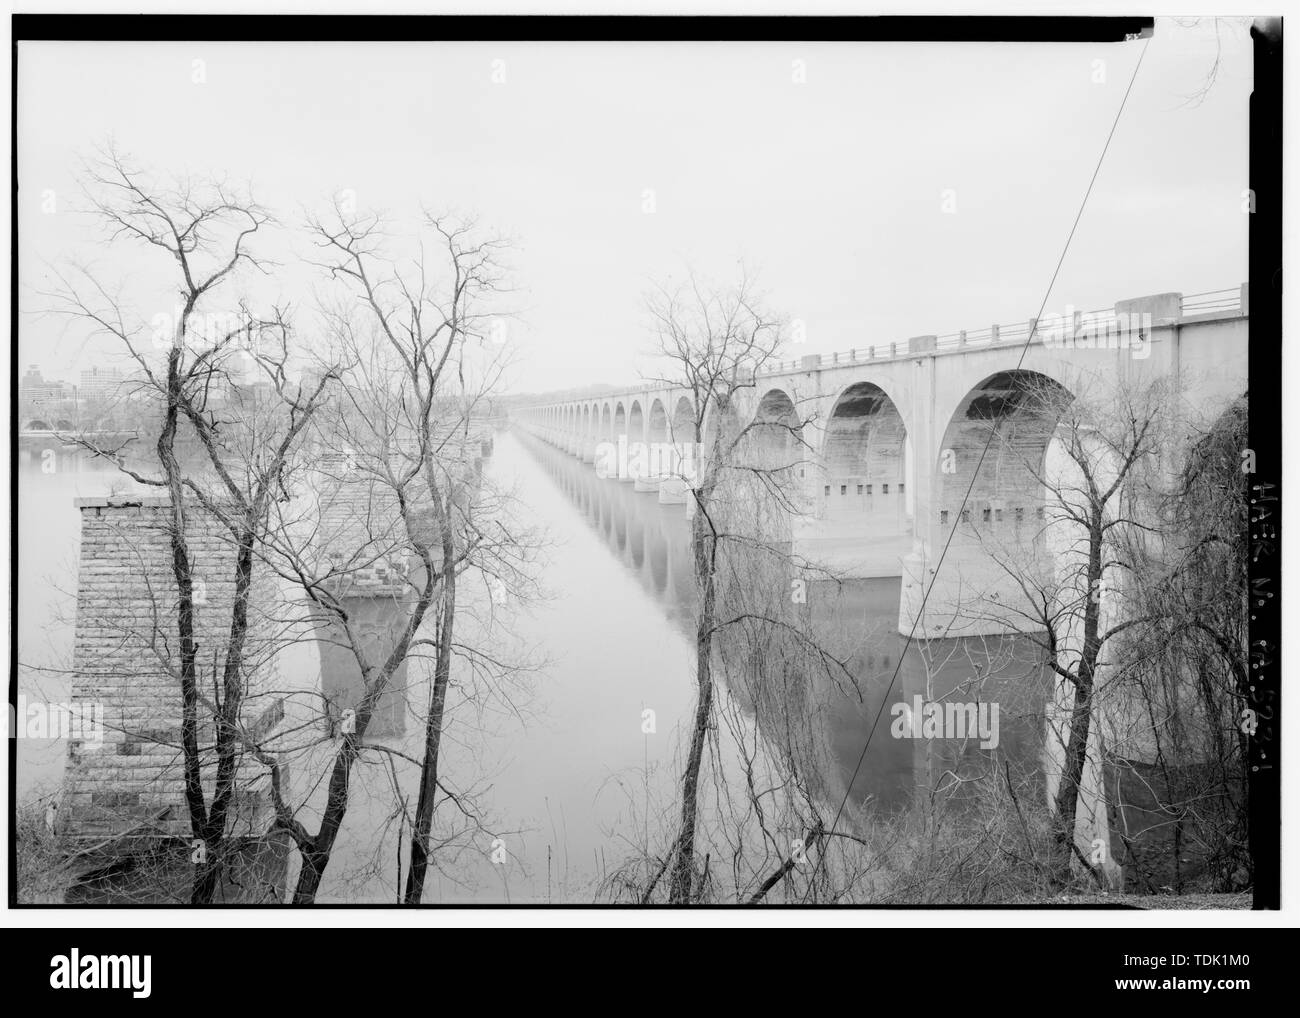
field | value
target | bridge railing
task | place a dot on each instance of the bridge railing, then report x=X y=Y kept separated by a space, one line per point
x=857 y=355
x=1224 y=301
x=1227 y=301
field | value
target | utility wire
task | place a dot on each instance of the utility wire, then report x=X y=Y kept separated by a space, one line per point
x=997 y=422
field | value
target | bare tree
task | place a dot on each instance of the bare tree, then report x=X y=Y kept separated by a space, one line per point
x=421 y=363
x=203 y=232
x=1188 y=675
x=1069 y=589
x=715 y=342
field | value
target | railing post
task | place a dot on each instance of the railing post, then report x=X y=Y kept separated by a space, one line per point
x=993 y=334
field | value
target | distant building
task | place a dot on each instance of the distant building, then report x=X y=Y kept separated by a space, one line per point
x=100 y=383
x=34 y=388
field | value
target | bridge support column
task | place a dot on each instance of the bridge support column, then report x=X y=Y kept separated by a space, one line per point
x=925 y=435
x=968 y=596
x=123 y=701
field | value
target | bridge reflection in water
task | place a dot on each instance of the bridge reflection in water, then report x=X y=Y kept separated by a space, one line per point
x=652 y=542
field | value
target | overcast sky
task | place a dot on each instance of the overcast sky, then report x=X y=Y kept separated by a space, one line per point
x=833 y=189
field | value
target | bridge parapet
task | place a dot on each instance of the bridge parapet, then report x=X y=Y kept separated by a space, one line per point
x=1166 y=309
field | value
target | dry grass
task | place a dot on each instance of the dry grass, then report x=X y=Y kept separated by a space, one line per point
x=43 y=875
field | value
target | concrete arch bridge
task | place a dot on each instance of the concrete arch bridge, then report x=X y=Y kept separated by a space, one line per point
x=886 y=439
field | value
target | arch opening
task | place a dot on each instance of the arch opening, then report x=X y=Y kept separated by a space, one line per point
x=1014 y=415
x=864 y=459
x=774 y=440
x=657 y=429
x=635 y=423
x=683 y=421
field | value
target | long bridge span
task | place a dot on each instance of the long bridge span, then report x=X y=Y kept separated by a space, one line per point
x=894 y=432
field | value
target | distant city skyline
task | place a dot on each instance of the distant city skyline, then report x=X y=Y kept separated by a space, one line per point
x=88 y=378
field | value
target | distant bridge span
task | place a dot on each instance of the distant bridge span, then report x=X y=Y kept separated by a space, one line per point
x=884 y=421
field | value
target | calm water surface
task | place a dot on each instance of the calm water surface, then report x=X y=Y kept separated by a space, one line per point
x=564 y=774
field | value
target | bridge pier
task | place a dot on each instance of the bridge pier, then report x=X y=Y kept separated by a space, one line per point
x=859 y=558
x=124 y=773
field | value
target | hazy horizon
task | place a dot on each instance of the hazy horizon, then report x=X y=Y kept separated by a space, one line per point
x=900 y=190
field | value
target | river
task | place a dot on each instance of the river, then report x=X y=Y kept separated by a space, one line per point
x=568 y=778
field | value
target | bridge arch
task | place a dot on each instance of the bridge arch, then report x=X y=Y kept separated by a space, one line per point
x=620 y=419
x=682 y=423
x=774 y=437
x=716 y=419
x=1014 y=414
x=38 y=425
x=657 y=424
x=635 y=422
x=606 y=423
x=775 y=405
x=864 y=459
